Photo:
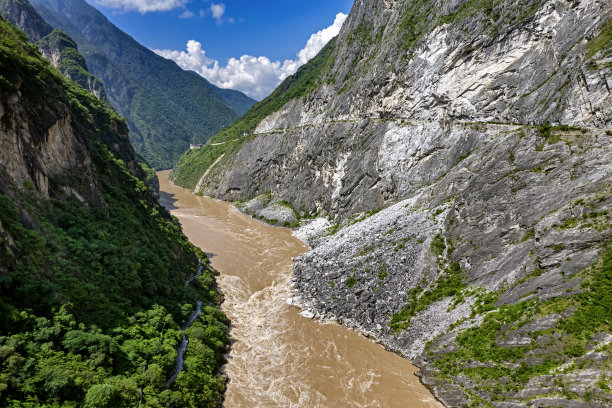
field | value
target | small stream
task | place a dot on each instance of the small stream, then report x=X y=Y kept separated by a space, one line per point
x=184 y=342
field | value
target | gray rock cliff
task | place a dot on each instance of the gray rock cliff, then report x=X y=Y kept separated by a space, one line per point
x=462 y=154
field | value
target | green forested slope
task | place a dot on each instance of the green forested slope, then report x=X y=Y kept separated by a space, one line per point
x=92 y=278
x=70 y=62
x=193 y=163
x=166 y=108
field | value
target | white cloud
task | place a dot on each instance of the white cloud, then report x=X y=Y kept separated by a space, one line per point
x=144 y=6
x=218 y=10
x=186 y=14
x=255 y=76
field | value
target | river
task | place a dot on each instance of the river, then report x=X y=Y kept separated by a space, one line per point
x=279 y=358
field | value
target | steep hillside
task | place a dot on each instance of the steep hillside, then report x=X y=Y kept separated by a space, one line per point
x=458 y=155
x=193 y=163
x=166 y=107
x=57 y=47
x=62 y=52
x=92 y=268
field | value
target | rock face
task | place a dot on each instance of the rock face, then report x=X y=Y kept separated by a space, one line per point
x=339 y=143
x=463 y=150
x=59 y=49
x=43 y=149
x=23 y=15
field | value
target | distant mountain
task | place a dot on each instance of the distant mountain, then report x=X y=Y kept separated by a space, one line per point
x=21 y=14
x=166 y=108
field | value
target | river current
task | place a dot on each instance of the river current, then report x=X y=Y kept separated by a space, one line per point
x=278 y=357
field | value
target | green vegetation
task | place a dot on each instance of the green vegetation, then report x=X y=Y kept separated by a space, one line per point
x=192 y=164
x=589 y=220
x=166 y=108
x=351 y=281
x=438 y=245
x=418 y=20
x=528 y=235
x=303 y=82
x=546 y=131
x=363 y=35
x=363 y=216
x=482 y=347
x=449 y=284
x=92 y=294
x=71 y=62
x=602 y=42
x=420 y=17
x=382 y=272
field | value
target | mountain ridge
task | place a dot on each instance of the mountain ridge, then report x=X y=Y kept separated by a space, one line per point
x=55 y=45
x=167 y=108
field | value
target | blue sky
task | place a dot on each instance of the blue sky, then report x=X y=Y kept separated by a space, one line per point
x=259 y=35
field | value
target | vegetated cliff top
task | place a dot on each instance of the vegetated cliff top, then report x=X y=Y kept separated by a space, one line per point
x=55 y=45
x=63 y=53
x=92 y=268
x=166 y=108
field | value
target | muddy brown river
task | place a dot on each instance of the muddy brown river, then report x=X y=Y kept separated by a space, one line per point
x=279 y=358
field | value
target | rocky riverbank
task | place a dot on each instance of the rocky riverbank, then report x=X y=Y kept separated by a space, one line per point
x=481 y=221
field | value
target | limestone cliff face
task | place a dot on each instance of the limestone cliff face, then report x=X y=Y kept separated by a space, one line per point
x=462 y=208
x=524 y=62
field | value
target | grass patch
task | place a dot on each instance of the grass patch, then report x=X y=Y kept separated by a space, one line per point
x=194 y=163
x=438 y=245
x=603 y=41
x=448 y=285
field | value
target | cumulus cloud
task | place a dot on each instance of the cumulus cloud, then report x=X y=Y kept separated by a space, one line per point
x=186 y=14
x=144 y=6
x=218 y=10
x=255 y=76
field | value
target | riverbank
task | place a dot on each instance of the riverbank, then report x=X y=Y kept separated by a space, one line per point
x=278 y=357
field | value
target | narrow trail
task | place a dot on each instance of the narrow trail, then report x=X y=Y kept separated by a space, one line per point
x=184 y=342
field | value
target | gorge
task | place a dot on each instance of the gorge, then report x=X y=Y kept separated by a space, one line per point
x=279 y=357
x=456 y=159
x=441 y=171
